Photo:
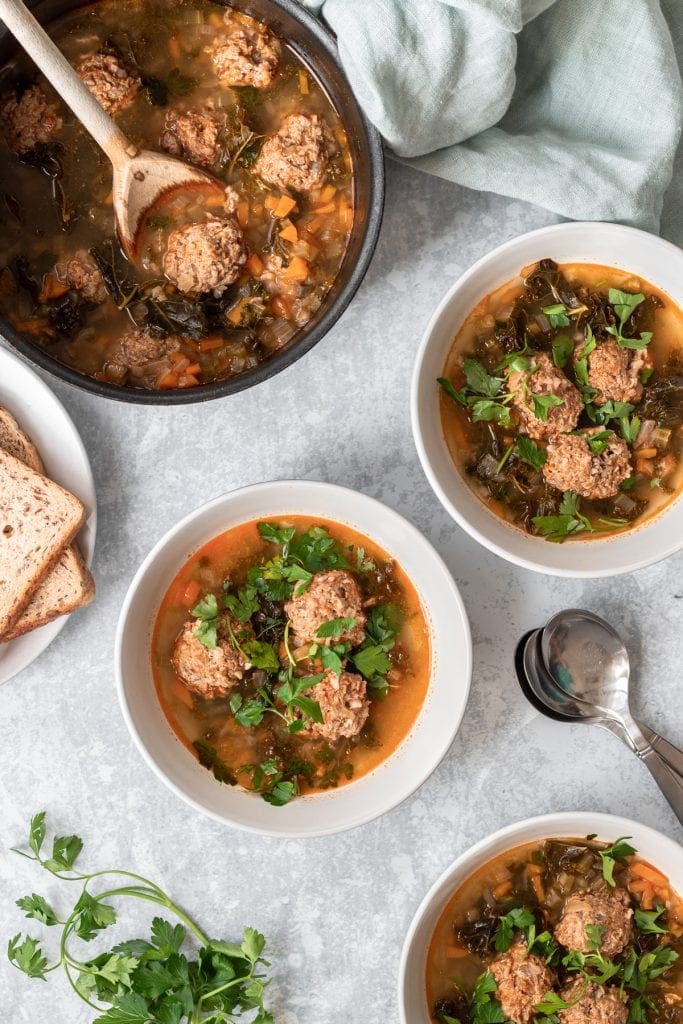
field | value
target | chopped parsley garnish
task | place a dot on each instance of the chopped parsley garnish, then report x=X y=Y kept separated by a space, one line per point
x=483 y=394
x=557 y=314
x=623 y=304
x=646 y=921
x=372 y=657
x=529 y=451
x=568 y=522
x=544 y=403
x=484 y=1008
x=518 y=918
x=617 y=853
x=599 y=442
x=562 y=348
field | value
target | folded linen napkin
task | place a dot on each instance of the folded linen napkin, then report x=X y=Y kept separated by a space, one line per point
x=575 y=105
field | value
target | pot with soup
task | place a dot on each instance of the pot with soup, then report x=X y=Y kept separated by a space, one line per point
x=226 y=288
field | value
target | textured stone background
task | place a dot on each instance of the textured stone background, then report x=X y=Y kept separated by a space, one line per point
x=335 y=910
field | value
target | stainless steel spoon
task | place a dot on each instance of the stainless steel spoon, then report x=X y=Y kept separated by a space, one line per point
x=588 y=661
x=547 y=693
x=141 y=177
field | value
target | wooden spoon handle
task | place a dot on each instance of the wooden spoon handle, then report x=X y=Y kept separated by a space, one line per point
x=56 y=68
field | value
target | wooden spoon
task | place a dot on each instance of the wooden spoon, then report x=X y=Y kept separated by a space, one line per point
x=141 y=177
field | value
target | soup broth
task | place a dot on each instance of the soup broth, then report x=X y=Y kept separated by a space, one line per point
x=548 y=416
x=388 y=683
x=64 y=282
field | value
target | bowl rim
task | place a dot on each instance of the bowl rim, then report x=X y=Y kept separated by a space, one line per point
x=374 y=811
x=288 y=355
x=526 y=562
x=549 y=825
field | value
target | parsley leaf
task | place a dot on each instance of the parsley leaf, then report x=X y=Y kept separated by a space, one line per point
x=529 y=451
x=562 y=348
x=243 y=604
x=567 y=523
x=484 y=1009
x=543 y=404
x=27 y=956
x=276 y=534
x=624 y=304
x=613 y=855
x=37 y=907
x=261 y=655
x=646 y=921
x=458 y=396
x=557 y=314
x=518 y=917
x=335 y=627
x=599 y=442
x=479 y=381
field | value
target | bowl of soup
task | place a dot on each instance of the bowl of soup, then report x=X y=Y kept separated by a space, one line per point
x=547 y=400
x=228 y=286
x=570 y=917
x=293 y=658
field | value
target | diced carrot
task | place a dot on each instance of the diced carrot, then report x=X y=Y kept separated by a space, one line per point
x=647 y=453
x=187 y=380
x=281 y=307
x=345 y=213
x=191 y=593
x=179 y=361
x=641 y=869
x=327 y=193
x=174 y=47
x=214 y=200
x=502 y=890
x=235 y=314
x=194 y=368
x=34 y=325
x=209 y=344
x=327 y=208
x=289 y=233
x=314 y=224
x=303 y=83
x=284 y=206
x=645 y=467
x=182 y=693
x=52 y=288
x=254 y=264
x=257 y=209
x=216 y=20
x=271 y=201
x=168 y=380
x=297 y=269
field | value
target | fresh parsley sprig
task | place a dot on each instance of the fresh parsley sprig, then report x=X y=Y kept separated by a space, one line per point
x=139 y=980
x=483 y=394
x=567 y=523
x=617 y=853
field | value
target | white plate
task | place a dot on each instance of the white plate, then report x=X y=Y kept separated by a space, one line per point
x=49 y=426
x=652 y=846
x=613 y=245
x=404 y=770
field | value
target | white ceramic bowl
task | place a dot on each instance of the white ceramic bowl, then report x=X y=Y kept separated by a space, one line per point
x=359 y=801
x=661 y=851
x=613 y=245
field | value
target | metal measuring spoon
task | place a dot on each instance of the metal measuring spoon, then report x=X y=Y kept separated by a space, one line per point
x=587 y=660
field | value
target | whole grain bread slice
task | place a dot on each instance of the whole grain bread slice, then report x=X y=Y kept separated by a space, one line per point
x=38 y=521
x=70 y=585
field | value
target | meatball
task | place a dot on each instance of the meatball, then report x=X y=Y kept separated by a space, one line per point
x=543 y=380
x=82 y=274
x=28 y=120
x=572 y=466
x=210 y=671
x=343 y=703
x=249 y=55
x=142 y=358
x=194 y=135
x=331 y=595
x=599 y=1004
x=609 y=910
x=523 y=980
x=112 y=85
x=614 y=372
x=296 y=156
x=205 y=257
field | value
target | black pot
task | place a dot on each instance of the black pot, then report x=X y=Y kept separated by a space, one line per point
x=316 y=46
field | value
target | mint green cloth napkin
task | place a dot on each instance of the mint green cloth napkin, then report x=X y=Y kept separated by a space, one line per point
x=575 y=105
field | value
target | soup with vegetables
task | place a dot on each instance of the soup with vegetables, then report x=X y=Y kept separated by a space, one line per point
x=562 y=400
x=291 y=656
x=563 y=931
x=224 y=280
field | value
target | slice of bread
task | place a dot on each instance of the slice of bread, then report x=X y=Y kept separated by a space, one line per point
x=38 y=521
x=14 y=441
x=70 y=585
